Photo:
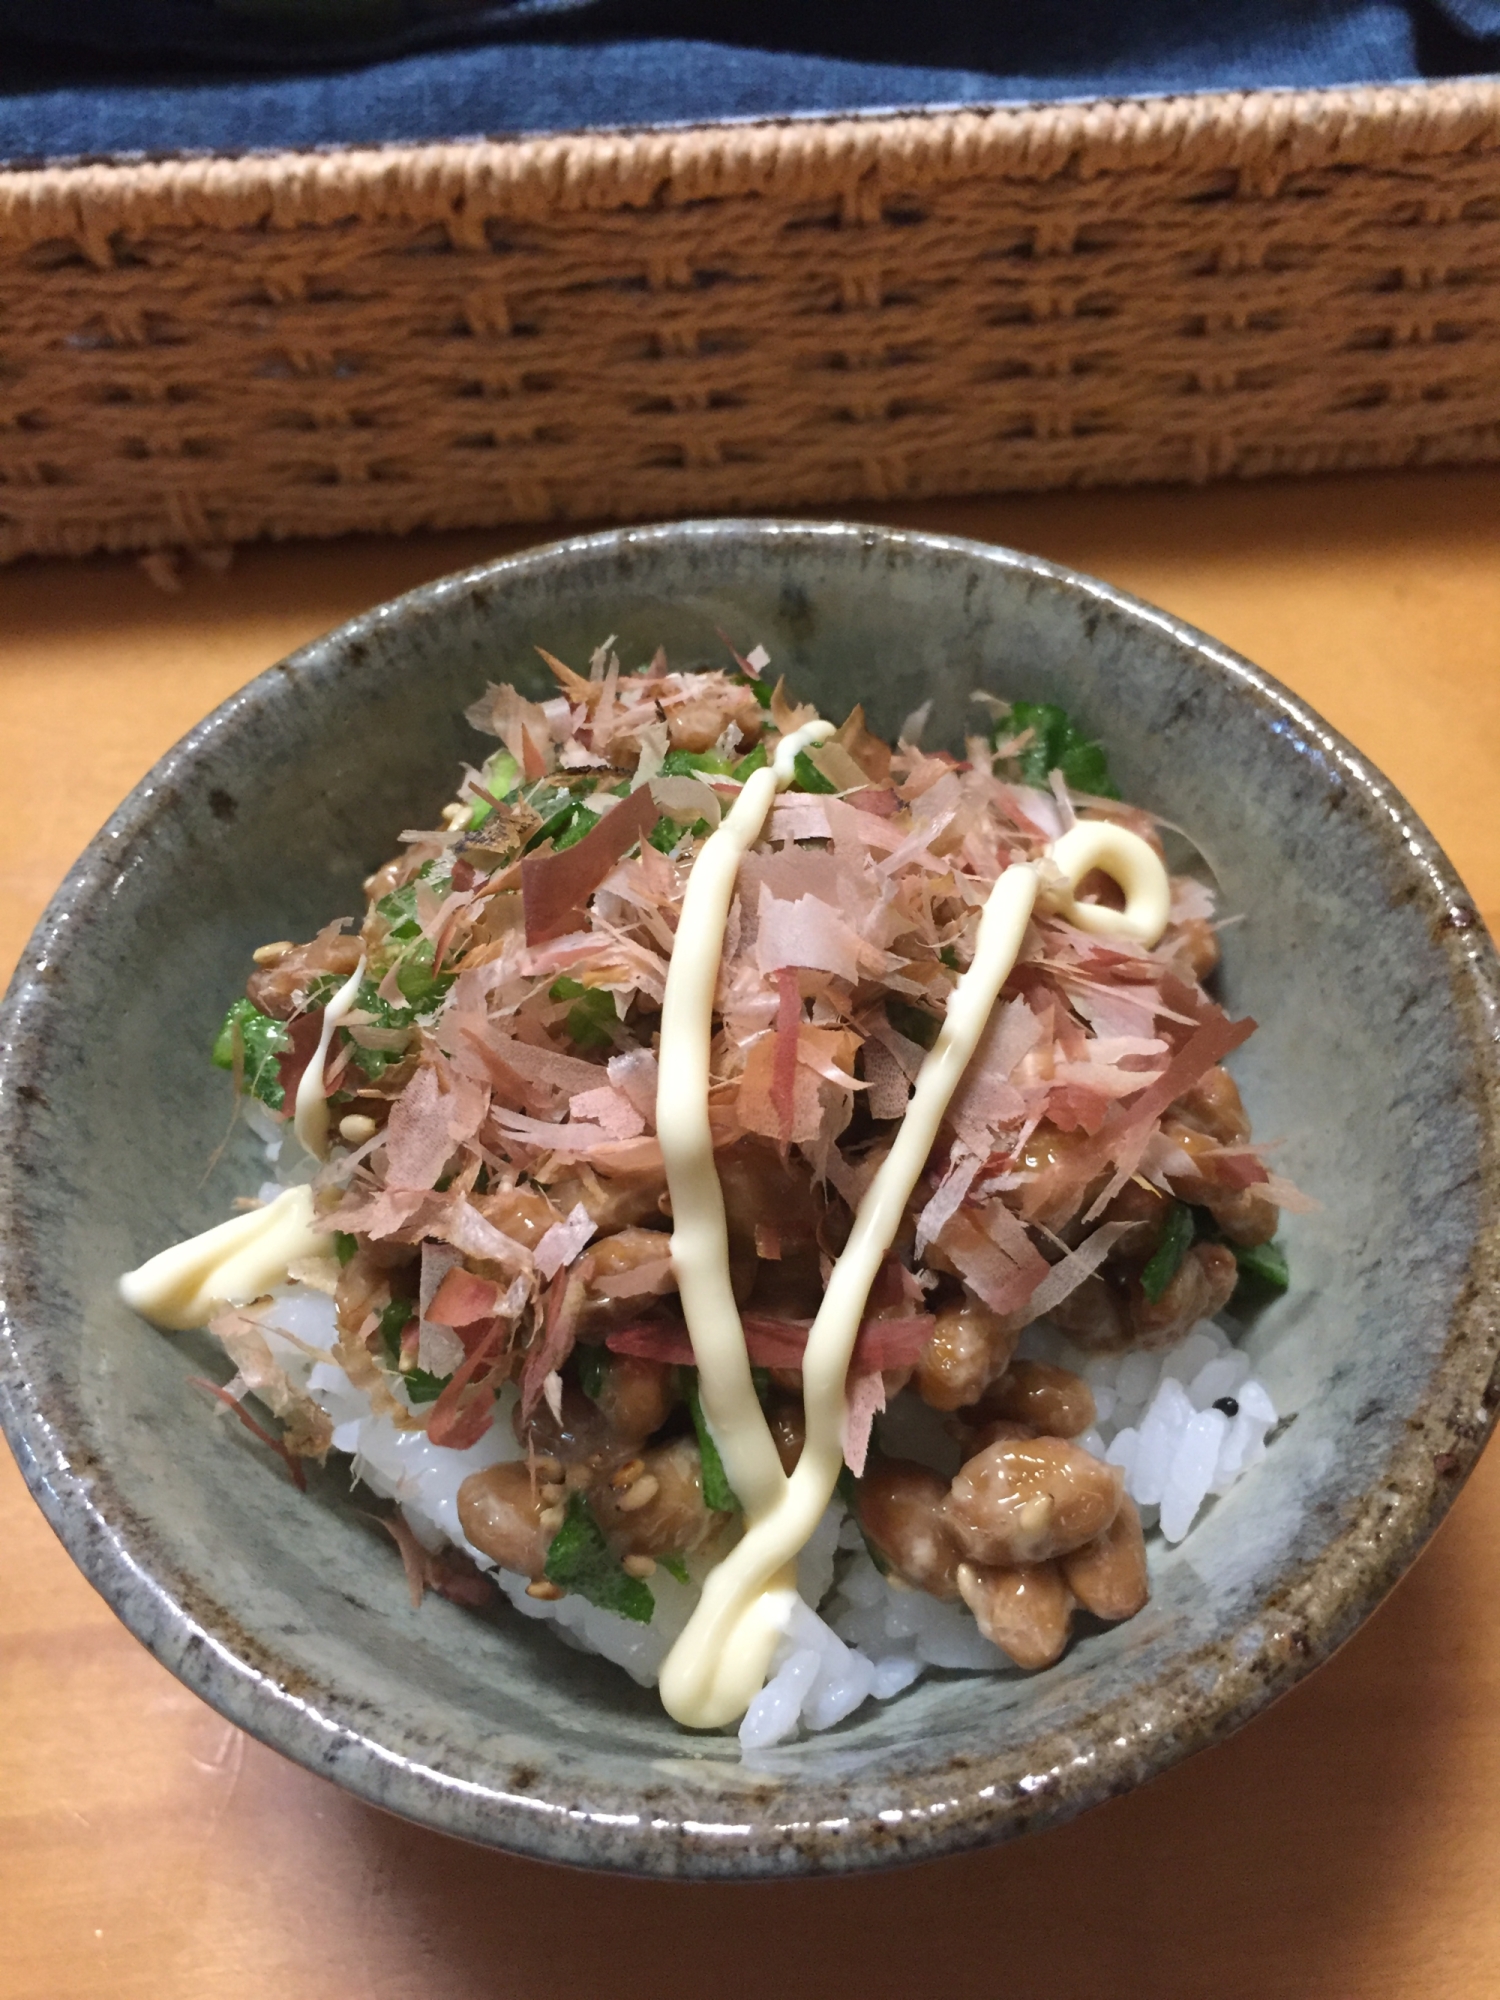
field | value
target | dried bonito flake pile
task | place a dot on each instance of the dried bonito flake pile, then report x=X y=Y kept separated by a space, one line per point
x=497 y=1200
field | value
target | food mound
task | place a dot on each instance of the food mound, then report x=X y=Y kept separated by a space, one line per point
x=475 y=1293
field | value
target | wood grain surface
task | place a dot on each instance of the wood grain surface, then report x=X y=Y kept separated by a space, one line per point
x=1342 y=1847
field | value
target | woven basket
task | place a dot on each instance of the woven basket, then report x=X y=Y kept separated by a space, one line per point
x=203 y=351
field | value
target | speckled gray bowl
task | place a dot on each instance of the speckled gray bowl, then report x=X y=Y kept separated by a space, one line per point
x=1376 y=1064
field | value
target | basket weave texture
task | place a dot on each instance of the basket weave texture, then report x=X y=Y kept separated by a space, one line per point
x=196 y=352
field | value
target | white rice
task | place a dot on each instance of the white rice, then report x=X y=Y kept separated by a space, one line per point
x=1155 y=1419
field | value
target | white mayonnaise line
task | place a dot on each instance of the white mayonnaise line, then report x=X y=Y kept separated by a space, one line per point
x=310 y=1122
x=229 y=1265
x=721 y=1658
x=700 y=1240
x=1134 y=864
x=184 y=1286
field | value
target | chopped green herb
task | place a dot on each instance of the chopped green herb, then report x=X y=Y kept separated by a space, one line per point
x=580 y=1559
x=717 y=1491
x=392 y=1320
x=757 y=760
x=262 y=1041
x=554 y=824
x=501 y=774
x=1263 y=1269
x=949 y=957
x=914 y=1022
x=593 y=1366
x=1058 y=745
x=422 y=1387
x=583 y=822
x=421 y=987
x=344 y=1245
x=667 y=834
x=756 y=686
x=806 y=777
x=589 y=1022
x=1166 y=1258
x=695 y=764
x=674 y=1566
x=399 y=908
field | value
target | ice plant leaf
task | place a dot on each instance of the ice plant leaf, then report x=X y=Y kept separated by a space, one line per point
x=590 y=1021
x=1166 y=1259
x=718 y=1494
x=806 y=777
x=1058 y=744
x=262 y=1040
x=580 y=1559
x=914 y=1022
x=1263 y=1266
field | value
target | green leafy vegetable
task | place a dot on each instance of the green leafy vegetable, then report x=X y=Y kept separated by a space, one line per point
x=590 y=1021
x=344 y=1245
x=949 y=957
x=717 y=1491
x=499 y=777
x=392 y=1320
x=1263 y=1269
x=756 y=686
x=806 y=777
x=757 y=760
x=583 y=822
x=1058 y=745
x=580 y=1559
x=423 y=1387
x=421 y=987
x=262 y=1041
x=382 y=1014
x=667 y=833
x=399 y=908
x=1166 y=1259
x=501 y=774
x=553 y=825
x=675 y=1566
x=914 y=1022
x=593 y=1366
x=694 y=764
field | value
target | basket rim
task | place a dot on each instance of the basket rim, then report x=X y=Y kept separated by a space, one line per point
x=1268 y=134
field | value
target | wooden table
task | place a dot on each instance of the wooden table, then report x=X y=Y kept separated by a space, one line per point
x=1343 y=1846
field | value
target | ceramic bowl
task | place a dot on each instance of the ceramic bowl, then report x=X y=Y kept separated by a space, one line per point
x=1375 y=1066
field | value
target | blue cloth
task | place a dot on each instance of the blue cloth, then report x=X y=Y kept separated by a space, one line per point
x=108 y=77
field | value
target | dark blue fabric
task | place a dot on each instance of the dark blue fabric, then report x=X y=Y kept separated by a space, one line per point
x=163 y=76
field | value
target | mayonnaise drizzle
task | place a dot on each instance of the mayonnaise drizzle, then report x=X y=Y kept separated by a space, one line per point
x=229 y=1265
x=722 y=1656
x=310 y=1120
x=700 y=1241
x=184 y=1286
